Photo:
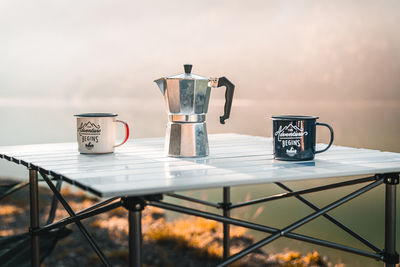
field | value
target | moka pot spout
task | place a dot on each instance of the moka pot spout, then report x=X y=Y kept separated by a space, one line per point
x=161 y=84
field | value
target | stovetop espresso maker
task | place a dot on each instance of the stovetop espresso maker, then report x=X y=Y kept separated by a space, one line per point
x=186 y=97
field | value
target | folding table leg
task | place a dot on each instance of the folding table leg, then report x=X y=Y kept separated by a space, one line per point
x=135 y=206
x=391 y=256
x=135 y=238
x=226 y=227
x=34 y=212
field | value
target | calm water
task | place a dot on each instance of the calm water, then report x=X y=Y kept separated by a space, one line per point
x=370 y=124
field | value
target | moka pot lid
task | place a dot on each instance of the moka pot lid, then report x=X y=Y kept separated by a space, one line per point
x=187 y=74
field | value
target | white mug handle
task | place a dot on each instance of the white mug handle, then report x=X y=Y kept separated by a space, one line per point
x=126 y=132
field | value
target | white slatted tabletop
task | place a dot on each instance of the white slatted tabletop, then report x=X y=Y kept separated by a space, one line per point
x=140 y=167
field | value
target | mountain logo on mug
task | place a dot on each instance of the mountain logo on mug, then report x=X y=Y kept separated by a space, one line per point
x=291 y=152
x=89 y=146
x=89 y=128
x=89 y=132
x=290 y=132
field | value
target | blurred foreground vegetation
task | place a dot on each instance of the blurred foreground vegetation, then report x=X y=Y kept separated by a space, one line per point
x=187 y=241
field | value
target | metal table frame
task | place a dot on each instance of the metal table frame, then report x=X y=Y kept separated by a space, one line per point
x=135 y=206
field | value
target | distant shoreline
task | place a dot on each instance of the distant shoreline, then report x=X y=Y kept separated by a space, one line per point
x=44 y=102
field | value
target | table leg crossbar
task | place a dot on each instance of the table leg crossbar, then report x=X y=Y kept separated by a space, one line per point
x=78 y=223
x=78 y=217
x=333 y=220
x=135 y=205
x=305 y=191
x=13 y=189
x=54 y=204
x=195 y=200
x=299 y=223
x=388 y=255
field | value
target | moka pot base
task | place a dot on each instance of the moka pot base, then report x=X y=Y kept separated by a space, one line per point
x=186 y=139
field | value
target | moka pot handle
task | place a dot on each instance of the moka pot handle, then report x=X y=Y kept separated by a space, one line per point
x=230 y=88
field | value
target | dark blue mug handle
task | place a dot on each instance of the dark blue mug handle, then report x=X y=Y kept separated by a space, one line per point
x=332 y=135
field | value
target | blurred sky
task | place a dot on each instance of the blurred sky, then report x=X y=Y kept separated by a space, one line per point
x=271 y=49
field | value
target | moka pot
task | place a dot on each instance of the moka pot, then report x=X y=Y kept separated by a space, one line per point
x=186 y=97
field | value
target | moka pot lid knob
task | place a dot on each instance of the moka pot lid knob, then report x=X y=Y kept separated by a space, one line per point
x=188 y=68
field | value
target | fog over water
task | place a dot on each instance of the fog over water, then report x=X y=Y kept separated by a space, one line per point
x=339 y=60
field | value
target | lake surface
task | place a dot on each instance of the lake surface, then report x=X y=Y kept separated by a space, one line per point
x=369 y=124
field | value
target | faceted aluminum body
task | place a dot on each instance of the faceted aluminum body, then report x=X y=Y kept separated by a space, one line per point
x=185 y=97
x=186 y=139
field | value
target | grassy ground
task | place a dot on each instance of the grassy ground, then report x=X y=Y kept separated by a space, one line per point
x=187 y=241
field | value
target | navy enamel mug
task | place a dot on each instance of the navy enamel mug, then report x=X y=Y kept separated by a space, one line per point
x=294 y=137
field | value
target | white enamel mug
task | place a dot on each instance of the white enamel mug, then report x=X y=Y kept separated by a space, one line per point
x=96 y=132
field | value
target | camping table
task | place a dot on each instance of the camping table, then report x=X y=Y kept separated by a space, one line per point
x=138 y=174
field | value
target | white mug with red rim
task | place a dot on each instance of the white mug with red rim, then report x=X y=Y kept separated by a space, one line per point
x=96 y=132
